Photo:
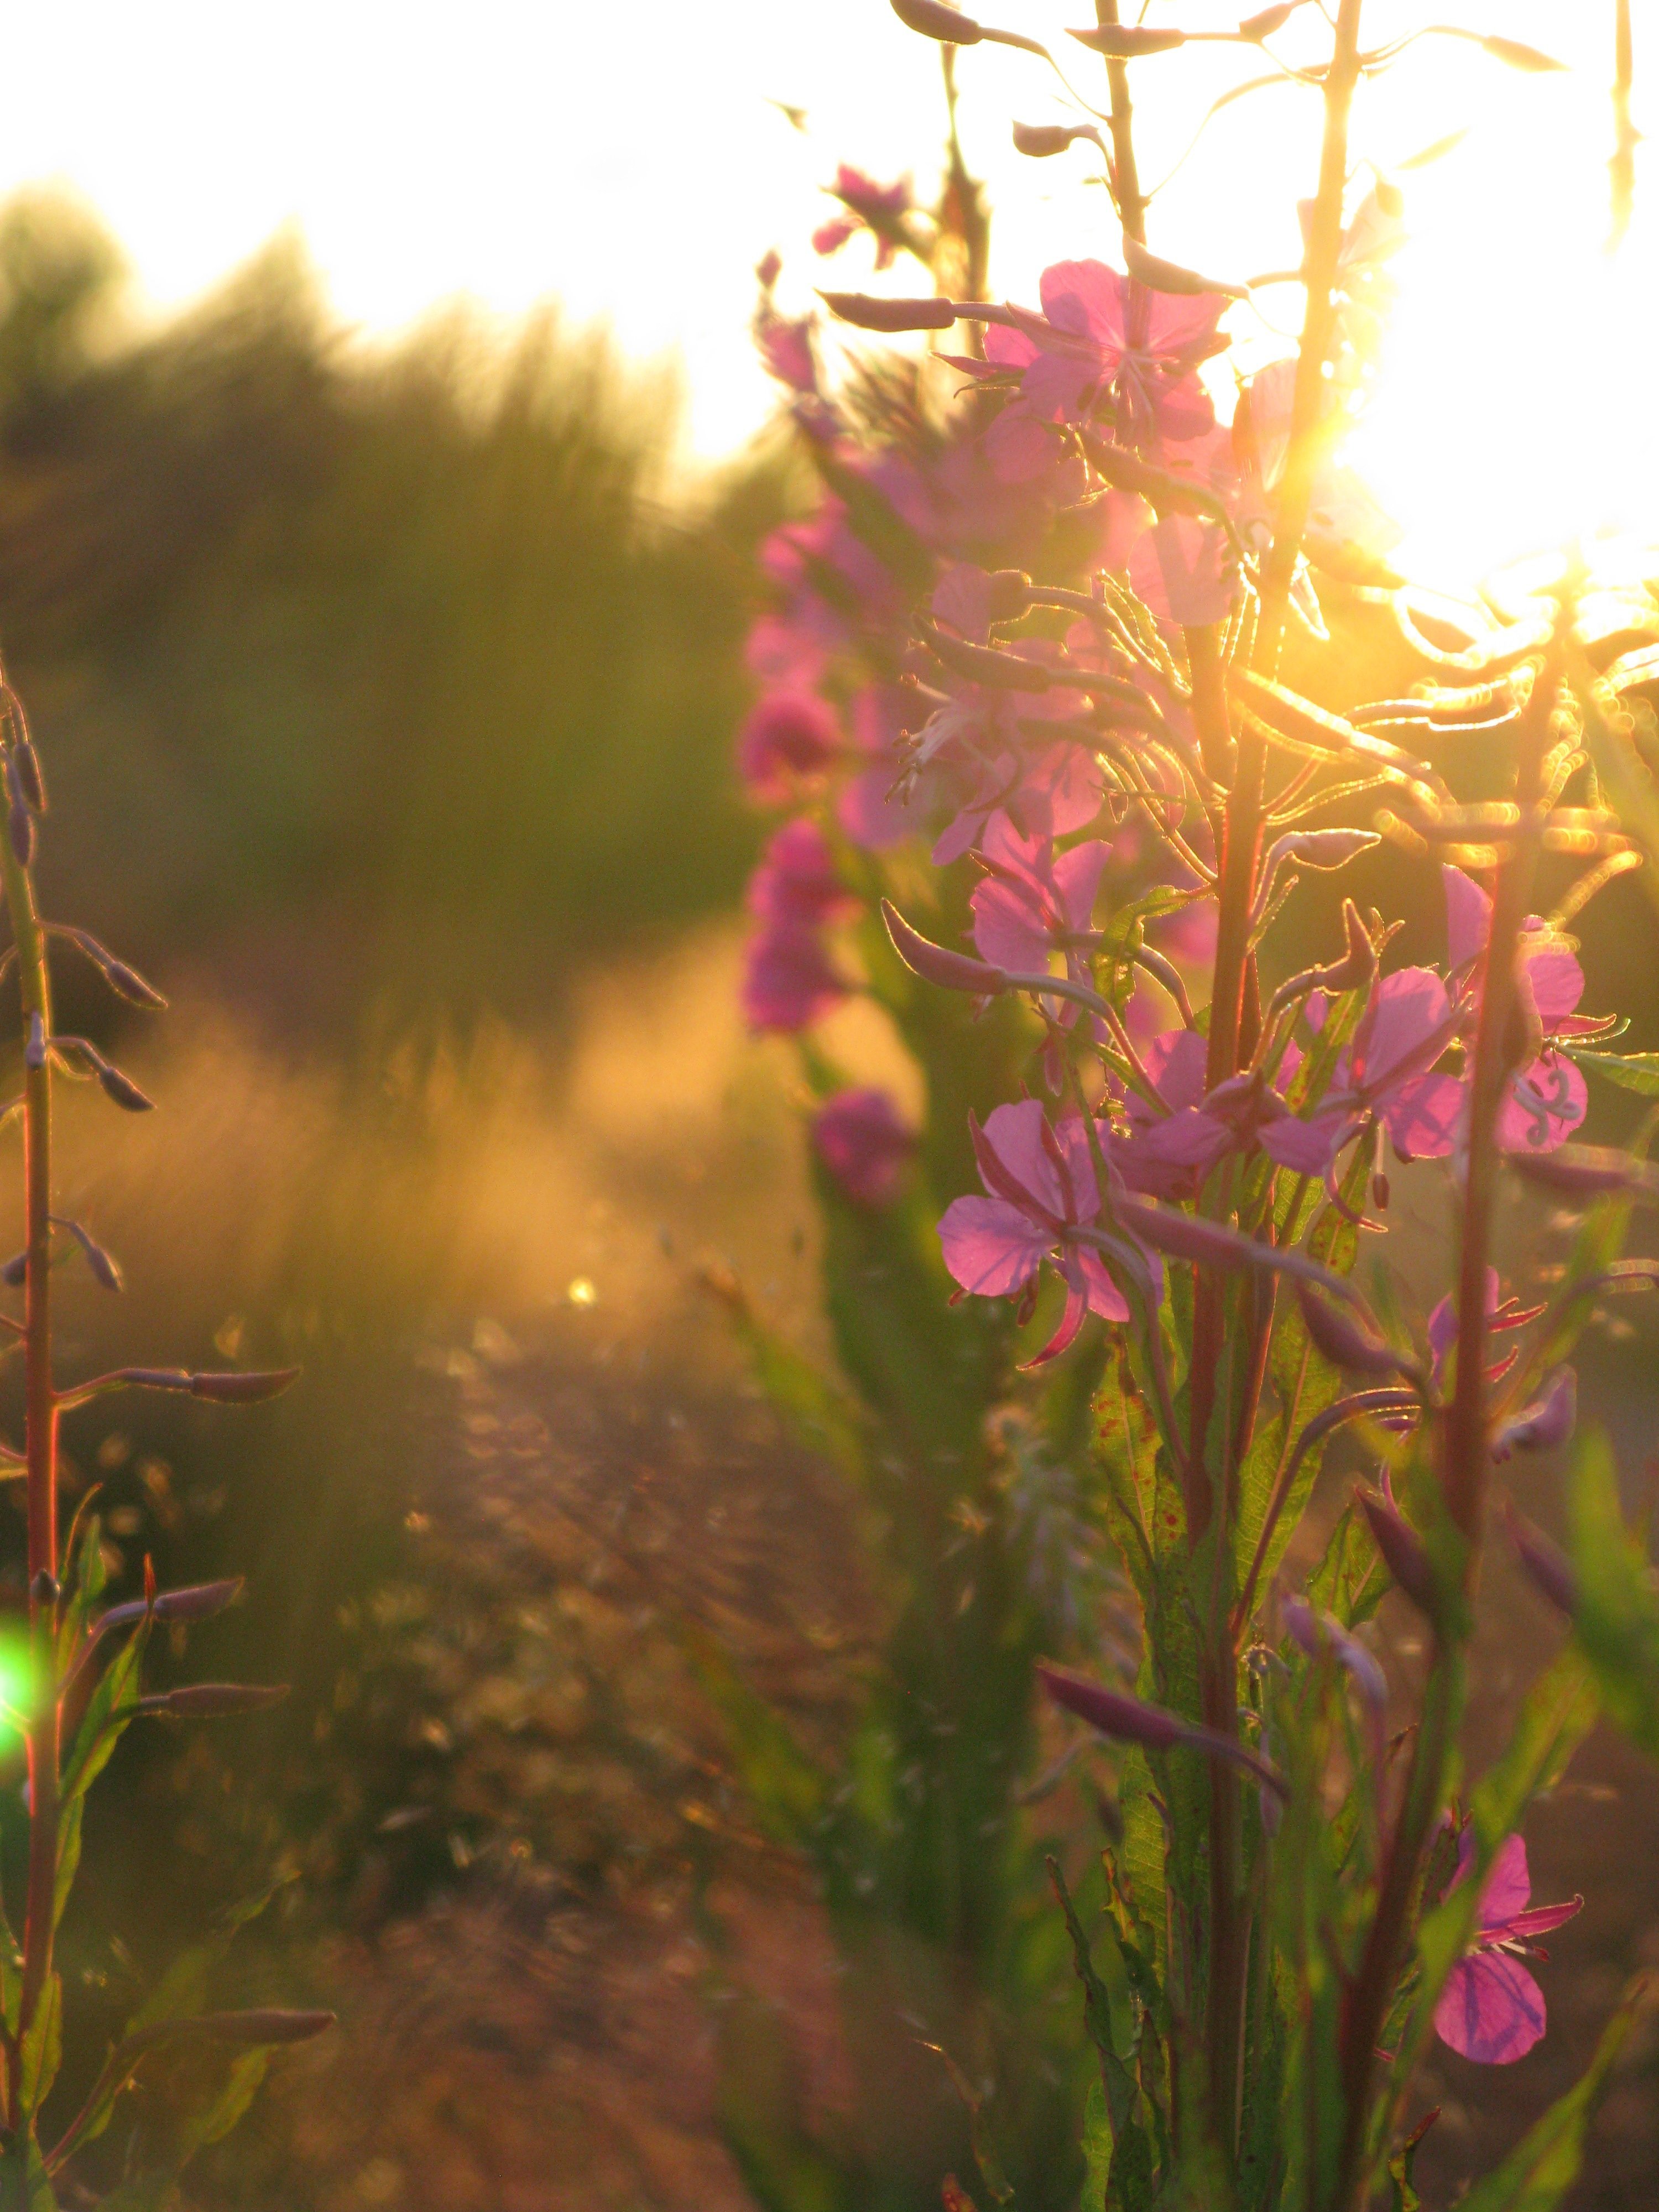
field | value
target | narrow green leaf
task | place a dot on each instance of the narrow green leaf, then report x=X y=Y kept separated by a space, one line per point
x=1630 y=1070
x=1617 y=1620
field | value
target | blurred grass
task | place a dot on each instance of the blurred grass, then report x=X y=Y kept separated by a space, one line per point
x=380 y=682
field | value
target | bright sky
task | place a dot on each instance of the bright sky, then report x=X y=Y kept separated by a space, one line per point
x=621 y=155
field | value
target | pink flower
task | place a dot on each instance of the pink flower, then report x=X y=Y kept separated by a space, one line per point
x=1167 y=1155
x=1502 y=1314
x=789 y=979
x=1042 y=1188
x=1034 y=903
x=870 y=206
x=1491 y=2010
x=796 y=883
x=789 y=734
x=1545 y=1101
x=871 y=810
x=1386 y=1075
x=786 y=347
x=1102 y=346
x=864 y=1144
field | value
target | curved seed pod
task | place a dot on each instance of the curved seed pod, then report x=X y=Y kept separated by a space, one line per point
x=1113 y=1712
x=1041 y=141
x=249 y=1387
x=212 y=1701
x=103 y=1266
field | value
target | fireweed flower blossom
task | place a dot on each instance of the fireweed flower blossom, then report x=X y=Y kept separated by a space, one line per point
x=789 y=979
x=1491 y=2010
x=879 y=209
x=1040 y=1186
x=1034 y=902
x=1104 y=348
x=790 y=735
x=797 y=882
x=865 y=1144
x=1547 y=1099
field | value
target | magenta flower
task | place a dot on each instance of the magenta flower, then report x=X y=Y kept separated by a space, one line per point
x=1042 y=1189
x=1106 y=347
x=880 y=208
x=865 y=1145
x=796 y=883
x=1491 y=2010
x=870 y=806
x=789 y=979
x=1386 y=1075
x=1034 y=902
x=1502 y=1314
x=1547 y=1099
x=789 y=734
x=1167 y=1155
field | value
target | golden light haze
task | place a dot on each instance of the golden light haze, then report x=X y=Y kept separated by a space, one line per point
x=626 y=159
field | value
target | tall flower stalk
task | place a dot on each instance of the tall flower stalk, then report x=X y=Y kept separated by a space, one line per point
x=1044 y=621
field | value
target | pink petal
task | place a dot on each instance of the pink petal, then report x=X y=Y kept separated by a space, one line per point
x=1305 y=1147
x=1077 y=876
x=1508 y=1884
x=1468 y=918
x=1009 y=930
x=1062 y=791
x=1177 y=1062
x=1423 y=1115
x=1542 y=1920
x=1018 y=444
x=1006 y=349
x=1407 y=1009
x=990 y=1247
x=1014 y=1134
x=1557 y=980
x=872 y=817
x=1491 y=2010
x=1104 y=1296
x=1064 y=1335
x=1086 y=300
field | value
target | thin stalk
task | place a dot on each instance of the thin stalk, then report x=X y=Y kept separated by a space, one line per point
x=40 y=1451
x=1464 y=1456
x=1131 y=200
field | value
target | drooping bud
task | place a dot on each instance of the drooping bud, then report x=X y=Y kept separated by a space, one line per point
x=1345 y=1340
x=1547 y=1422
x=15 y=1270
x=212 y=1701
x=1041 y=141
x=122 y=1089
x=950 y=971
x=1318 y=1634
x=1125 y=42
x=1543 y=1560
x=104 y=1268
x=1325 y=850
x=1113 y=1712
x=933 y=20
x=1518 y=56
x=250 y=1388
x=866 y=312
x=197 y=1601
x=126 y=982
x=1160 y=276
x=1403 y=1551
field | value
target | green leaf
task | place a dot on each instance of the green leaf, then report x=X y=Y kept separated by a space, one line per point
x=785 y=1788
x=68 y=1853
x=43 y=2049
x=1544 y=2165
x=184 y=1987
x=1403 y=2196
x=1617 y=1620
x=221 y=2114
x=1097 y=2147
x=1630 y=1070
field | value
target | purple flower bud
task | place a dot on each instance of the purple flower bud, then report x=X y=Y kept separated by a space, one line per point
x=1548 y=1421
x=1183 y=1235
x=934 y=21
x=1007 y=594
x=1124 y=42
x=1325 y=850
x=1270 y=20
x=1403 y=1550
x=198 y=1601
x=863 y=1143
x=212 y=1701
x=15 y=1270
x=951 y=971
x=19 y=822
x=122 y=1089
x=104 y=1268
x=1342 y=1340
x=251 y=1387
x=867 y=313
x=1112 y=1712
x=34 y=1050
x=1543 y=1560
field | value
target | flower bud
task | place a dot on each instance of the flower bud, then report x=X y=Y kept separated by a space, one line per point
x=250 y=1388
x=866 y=314
x=1325 y=850
x=1517 y=56
x=1124 y=42
x=15 y=1270
x=34 y=1049
x=1185 y=1235
x=1403 y=1551
x=1112 y=1712
x=1039 y=141
x=1543 y=1560
x=126 y=982
x=1007 y=593
x=1344 y=1340
x=1256 y=27
x=30 y=782
x=934 y=21
x=1548 y=1421
x=104 y=1268
x=197 y=1601
x=212 y=1701
x=122 y=1089
x=951 y=971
